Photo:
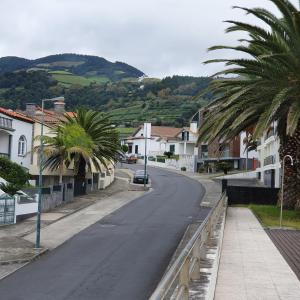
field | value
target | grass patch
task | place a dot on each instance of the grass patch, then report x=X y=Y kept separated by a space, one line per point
x=98 y=79
x=269 y=216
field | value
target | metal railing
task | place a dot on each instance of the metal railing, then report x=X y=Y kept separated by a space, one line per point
x=175 y=282
x=269 y=160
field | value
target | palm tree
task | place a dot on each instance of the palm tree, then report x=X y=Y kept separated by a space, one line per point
x=263 y=88
x=86 y=140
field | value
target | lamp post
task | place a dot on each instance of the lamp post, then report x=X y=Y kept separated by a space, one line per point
x=41 y=157
x=282 y=185
x=145 y=156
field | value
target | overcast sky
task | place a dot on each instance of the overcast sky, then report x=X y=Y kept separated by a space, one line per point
x=159 y=37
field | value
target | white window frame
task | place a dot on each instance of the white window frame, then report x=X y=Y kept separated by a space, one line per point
x=22 y=146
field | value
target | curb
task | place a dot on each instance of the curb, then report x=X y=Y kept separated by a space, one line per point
x=22 y=261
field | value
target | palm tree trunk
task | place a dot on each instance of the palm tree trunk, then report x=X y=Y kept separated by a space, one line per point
x=291 y=146
x=81 y=169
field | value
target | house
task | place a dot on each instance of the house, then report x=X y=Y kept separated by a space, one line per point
x=16 y=137
x=232 y=152
x=269 y=167
x=51 y=118
x=179 y=141
x=160 y=139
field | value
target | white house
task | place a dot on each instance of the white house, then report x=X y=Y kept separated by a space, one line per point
x=269 y=170
x=156 y=140
x=16 y=137
x=160 y=139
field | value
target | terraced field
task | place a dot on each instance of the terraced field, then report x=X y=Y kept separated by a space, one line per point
x=67 y=78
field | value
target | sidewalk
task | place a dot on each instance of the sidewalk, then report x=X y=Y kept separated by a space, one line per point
x=17 y=241
x=251 y=267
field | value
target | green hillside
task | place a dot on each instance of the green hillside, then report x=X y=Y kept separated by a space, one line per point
x=170 y=101
x=93 y=67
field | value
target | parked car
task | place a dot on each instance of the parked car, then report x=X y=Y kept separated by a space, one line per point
x=139 y=177
x=131 y=159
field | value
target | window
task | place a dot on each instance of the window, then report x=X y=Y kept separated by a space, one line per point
x=172 y=148
x=185 y=136
x=129 y=148
x=136 y=149
x=22 y=146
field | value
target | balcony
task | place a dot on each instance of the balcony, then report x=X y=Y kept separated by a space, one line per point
x=269 y=160
x=6 y=123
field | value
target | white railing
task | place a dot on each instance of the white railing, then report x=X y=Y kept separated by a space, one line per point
x=175 y=282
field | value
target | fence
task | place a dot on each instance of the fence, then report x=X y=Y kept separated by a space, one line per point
x=175 y=283
x=251 y=194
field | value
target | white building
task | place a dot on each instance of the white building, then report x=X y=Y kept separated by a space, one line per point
x=269 y=169
x=160 y=139
x=16 y=137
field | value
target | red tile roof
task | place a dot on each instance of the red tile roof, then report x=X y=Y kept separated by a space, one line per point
x=15 y=115
x=50 y=117
x=161 y=131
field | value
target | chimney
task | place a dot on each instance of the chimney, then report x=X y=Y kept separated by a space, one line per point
x=59 y=105
x=194 y=127
x=30 y=109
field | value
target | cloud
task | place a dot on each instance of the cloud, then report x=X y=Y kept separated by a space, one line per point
x=160 y=37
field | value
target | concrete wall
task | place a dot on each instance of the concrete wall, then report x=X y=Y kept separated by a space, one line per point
x=187 y=161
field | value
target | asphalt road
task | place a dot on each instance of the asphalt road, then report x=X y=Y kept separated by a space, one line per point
x=123 y=256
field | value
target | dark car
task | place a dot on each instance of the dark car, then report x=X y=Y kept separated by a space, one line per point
x=139 y=177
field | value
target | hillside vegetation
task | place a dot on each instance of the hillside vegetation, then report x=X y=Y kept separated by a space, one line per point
x=130 y=101
x=74 y=64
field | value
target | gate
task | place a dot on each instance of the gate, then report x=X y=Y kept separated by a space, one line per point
x=7 y=210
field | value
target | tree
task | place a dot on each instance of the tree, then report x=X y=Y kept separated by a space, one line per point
x=124 y=148
x=85 y=140
x=265 y=87
x=13 y=173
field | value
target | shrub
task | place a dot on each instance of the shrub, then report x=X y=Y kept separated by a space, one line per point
x=169 y=154
x=183 y=169
x=224 y=166
x=161 y=159
x=13 y=173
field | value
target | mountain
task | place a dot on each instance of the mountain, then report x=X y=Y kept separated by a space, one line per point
x=91 y=67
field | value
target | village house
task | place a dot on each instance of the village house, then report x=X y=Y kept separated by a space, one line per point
x=16 y=137
x=181 y=142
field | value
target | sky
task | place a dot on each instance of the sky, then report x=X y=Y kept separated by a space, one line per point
x=159 y=37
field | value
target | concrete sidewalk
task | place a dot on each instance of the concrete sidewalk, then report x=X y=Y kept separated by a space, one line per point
x=251 y=267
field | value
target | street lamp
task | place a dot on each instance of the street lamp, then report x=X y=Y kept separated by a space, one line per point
x=41 y=156
x=145 y=156
x=282 y=185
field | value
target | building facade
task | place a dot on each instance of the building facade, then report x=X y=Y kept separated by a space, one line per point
x=269 y=168
x=16 y=140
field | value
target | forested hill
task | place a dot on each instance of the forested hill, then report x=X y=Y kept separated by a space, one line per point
x=130 y=101
x=89 y=66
